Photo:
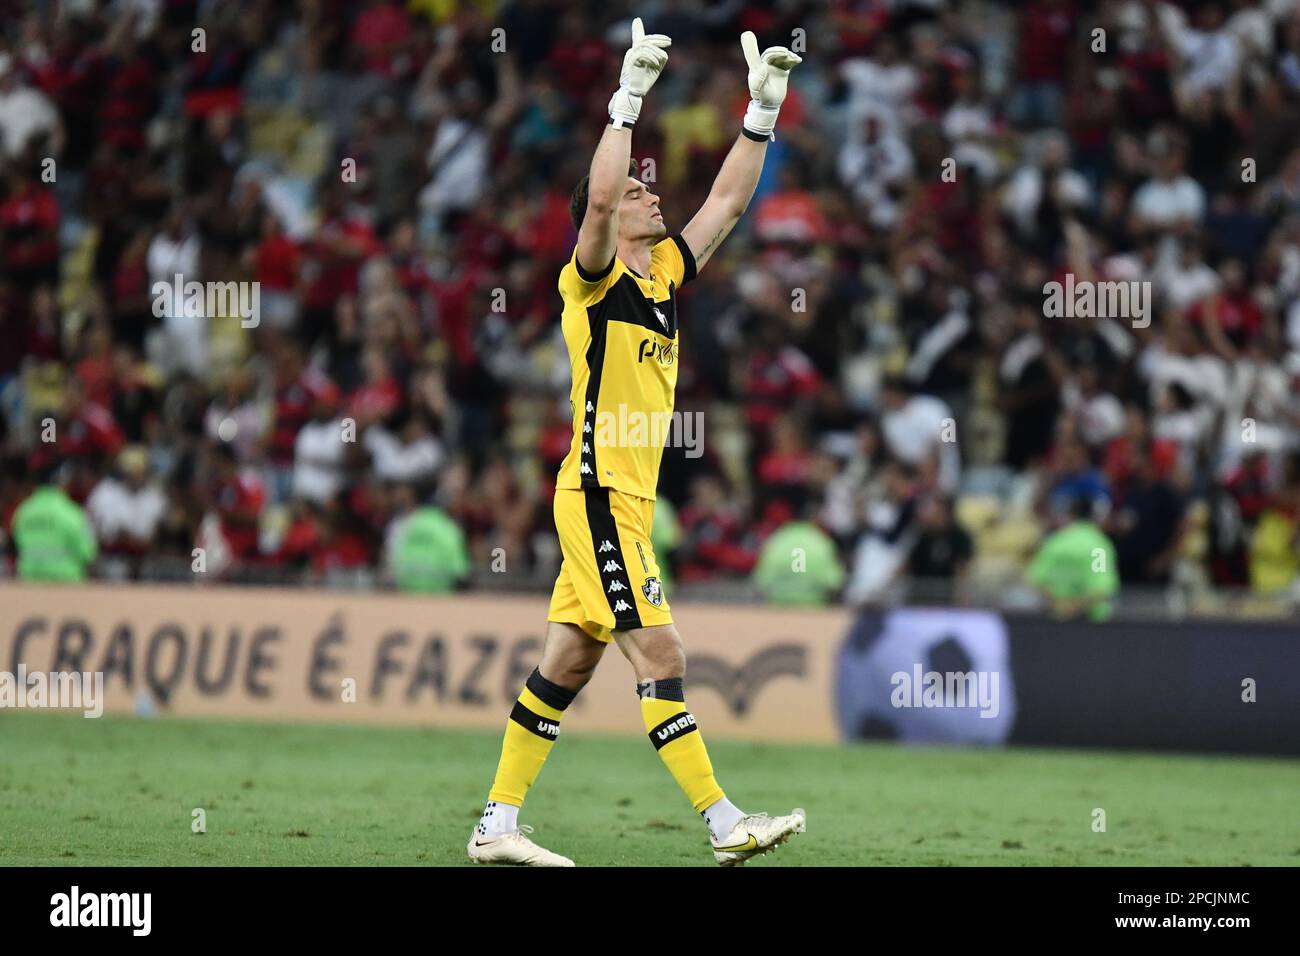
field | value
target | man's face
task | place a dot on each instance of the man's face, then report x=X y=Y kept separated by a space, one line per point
x=638 y=213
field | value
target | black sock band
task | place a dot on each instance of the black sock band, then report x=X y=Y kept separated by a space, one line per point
x=552 y=695
x=669 y=688
x=674 y=728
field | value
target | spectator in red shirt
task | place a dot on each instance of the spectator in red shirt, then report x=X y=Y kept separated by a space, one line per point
x=84 y=429
x=95 y=367
x=276 y=263
x=783 y=470
x=777 y=375
x=237 y=496
x=1046 y=31
x=379 y=395
x=713 y=534
x=1231 y=318
x=382 y=34
x=29 y=231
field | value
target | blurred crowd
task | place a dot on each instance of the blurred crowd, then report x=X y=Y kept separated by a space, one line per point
x=870 y=351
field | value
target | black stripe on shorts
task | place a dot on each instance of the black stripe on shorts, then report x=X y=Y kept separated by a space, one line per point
x=614 y=579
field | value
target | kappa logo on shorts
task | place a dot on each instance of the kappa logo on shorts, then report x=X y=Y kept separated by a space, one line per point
x=611 y=566
x=620 y=606
x=616 y=586
x=653 y=591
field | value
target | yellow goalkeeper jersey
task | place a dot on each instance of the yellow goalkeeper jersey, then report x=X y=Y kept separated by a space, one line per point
x=621 y=332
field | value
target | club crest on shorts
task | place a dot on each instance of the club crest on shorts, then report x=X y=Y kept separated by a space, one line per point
x=653 y=591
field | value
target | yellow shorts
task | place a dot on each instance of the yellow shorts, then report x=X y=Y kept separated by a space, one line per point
x=609 y=580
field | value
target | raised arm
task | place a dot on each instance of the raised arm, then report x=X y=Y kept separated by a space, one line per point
x=769 y=76
x=598 y=235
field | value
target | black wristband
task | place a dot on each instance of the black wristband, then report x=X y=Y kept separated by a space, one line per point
x=756 y=137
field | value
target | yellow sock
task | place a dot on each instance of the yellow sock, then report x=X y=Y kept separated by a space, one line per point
x=531 y=732
x=673 y=732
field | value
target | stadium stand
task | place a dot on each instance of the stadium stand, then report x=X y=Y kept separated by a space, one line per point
x=395 y=178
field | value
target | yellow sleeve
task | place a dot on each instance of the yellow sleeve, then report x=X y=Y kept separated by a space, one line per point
x=583 y=288
x=673 y=258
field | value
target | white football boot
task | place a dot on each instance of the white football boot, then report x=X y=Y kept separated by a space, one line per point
x=513 y=847
x=755 y=834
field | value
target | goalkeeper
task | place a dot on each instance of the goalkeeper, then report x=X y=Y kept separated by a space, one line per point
x=620 y=324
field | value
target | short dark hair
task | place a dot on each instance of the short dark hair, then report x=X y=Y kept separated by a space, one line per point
x=578 y=201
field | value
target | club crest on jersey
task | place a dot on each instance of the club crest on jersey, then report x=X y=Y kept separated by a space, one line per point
x=653 y=591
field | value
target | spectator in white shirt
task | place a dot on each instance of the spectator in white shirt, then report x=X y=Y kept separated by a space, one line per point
x=407 y=451
x=920 y=430
x=874 y=163
x=26 y=114
x=320 y=451
x=176 y=251
x=238 y=417
x=125 y=509
x=1098 y=414
x=1049 y=179
x=1171 y=201
x=1208 y=54
x=883 y=82
x=1182 y=277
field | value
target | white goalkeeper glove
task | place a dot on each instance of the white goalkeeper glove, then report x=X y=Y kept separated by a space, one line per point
x=642 y=65
x=769 y=75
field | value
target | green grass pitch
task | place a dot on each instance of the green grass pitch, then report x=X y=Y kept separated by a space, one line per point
x=121 y=791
